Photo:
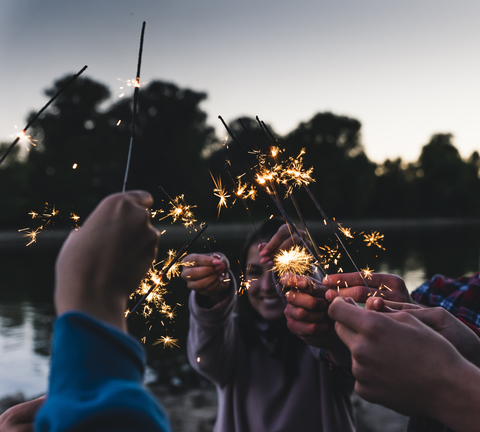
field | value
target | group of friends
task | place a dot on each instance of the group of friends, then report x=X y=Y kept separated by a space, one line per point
x=284 y=356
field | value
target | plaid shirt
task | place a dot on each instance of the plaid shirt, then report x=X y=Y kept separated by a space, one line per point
x=461 y=297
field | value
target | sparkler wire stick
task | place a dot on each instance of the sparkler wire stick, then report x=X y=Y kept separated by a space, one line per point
x=294 y=228
x=242 y=199
x=264 y=129
x=179 y=254
x=317 y=204
x=134 y=109
x=242 y=151
x=327 y=220
x=39 y=113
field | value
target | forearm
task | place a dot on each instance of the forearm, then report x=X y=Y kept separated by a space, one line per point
x=96 y=381
x=457 y=400
x=211 y=338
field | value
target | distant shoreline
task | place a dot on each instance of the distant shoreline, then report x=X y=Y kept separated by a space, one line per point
x=55 y=237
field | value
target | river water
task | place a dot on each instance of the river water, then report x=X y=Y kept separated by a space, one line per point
x=27 y=315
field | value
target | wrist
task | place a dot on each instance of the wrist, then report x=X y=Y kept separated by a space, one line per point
x=456 y=400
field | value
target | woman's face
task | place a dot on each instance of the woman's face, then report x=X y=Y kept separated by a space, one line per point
x=262 y=293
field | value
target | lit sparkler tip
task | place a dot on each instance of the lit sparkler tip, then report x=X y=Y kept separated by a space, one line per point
x=295 y=260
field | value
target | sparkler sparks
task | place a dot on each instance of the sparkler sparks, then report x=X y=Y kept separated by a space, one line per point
x=32 y=235
x=39 y=113
x=220 y=192
x=180 y=210
x=294 y=174
x=295 y=260
x=347 y=232
x=374 y=239
x=367 y=272
x=167 y=341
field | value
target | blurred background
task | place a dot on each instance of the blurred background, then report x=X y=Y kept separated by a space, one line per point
x=383 y=97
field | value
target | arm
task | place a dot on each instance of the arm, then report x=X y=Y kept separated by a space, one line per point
x=97 y=369
x=403 y=364
x=462 y=337
x=212 y=338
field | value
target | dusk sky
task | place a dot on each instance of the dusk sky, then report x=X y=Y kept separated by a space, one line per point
x=406 y=69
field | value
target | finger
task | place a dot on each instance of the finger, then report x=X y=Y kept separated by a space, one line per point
x=199 y=260
x=358 y=293
x=346 y=334
x=375 y=280
x=274 y=243
x=140 y=197
x=195 y=274
x=26 y=412
x=331 y=295
x=304 y=329
x=304 y=315
x=347 y=314
x=204 y=285
x=306 y=301
x=303 y=283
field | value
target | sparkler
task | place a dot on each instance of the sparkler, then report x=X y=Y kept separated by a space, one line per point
x=166 y=269
x=302 y=178
x=265 y=178
x=134 y=109
x=39 y=113
x=296 y=260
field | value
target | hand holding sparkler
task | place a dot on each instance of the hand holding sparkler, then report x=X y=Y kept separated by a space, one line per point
x=438 y=319
x=402 y=363
x=387 y=286
x=307 y=317
x=209 y=277
x=103 y=262
x=283 y=239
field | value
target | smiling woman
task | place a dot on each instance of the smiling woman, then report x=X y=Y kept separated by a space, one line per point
x=266 y=378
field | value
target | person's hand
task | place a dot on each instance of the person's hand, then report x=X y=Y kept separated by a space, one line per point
x=307 y=317
x=387 y=286
x=208 y=275
x=402 y=363
x=443 y=322
x=104 y=261
x=21 y=417
x=283 y=239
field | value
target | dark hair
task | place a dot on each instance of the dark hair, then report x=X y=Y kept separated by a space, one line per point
x=246 y=314
x=290 y=347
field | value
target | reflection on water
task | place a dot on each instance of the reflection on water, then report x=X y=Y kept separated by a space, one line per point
x=26 y=311
x=25 y=332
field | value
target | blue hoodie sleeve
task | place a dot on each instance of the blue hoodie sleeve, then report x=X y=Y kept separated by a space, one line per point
x=96 y=381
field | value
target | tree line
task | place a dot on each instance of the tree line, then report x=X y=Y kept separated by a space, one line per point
x=82 y=147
